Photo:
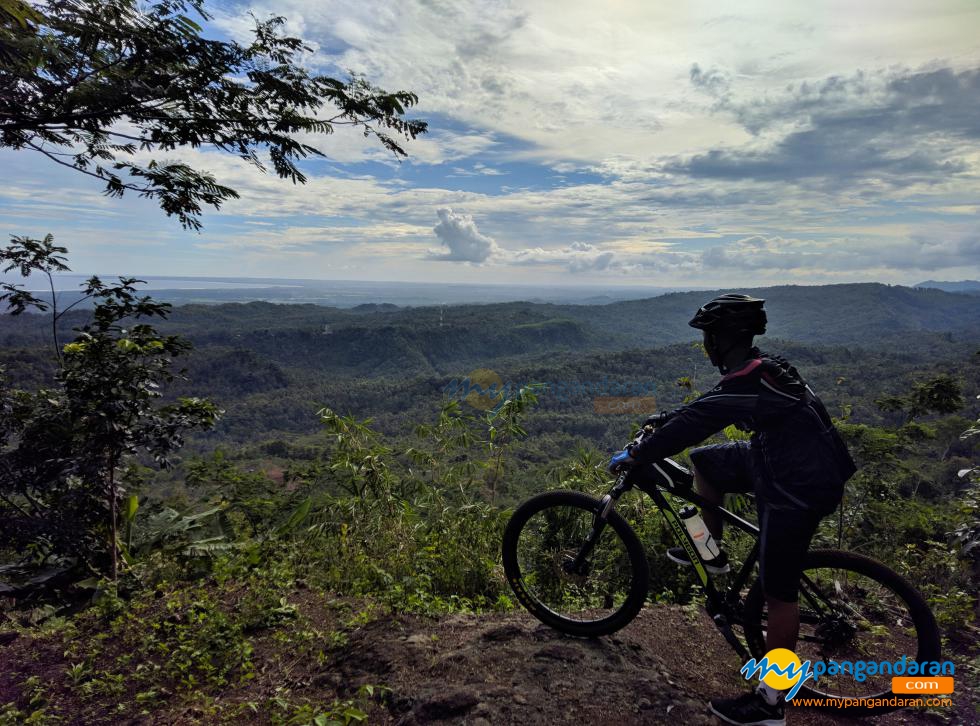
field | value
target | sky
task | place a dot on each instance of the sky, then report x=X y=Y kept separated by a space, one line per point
x=623 y=142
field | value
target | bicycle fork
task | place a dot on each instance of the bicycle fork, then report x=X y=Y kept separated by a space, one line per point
x=578 y=565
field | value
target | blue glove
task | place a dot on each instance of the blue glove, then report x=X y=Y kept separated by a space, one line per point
x=623 y=458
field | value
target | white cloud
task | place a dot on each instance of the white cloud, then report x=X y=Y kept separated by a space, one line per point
x=759 y=253
x=942 y=247
x=577 y=257
x=464 y=241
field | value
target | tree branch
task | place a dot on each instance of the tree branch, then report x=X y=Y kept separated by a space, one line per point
x=131 y=187
x=34 y=505
x=16 y=506
x=80 y=300
x=85 y=76
x=110 y=133
x=54 y=317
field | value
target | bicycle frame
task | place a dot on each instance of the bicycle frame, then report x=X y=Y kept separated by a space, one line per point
x=668 y=476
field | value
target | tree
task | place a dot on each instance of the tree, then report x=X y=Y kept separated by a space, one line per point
x=504 y=430
x=101 y=87
x=941 y=394
x=62 y=449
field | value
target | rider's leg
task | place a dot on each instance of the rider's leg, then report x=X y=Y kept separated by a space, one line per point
x=786 y=536
x=783 y=624
x=712 y=520
x=782 y=629
x=785 y=539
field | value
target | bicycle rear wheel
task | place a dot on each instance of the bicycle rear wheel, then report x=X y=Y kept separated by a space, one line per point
x=852 y=608
x=543 y=538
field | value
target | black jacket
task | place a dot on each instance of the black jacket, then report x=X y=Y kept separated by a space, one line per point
x=799 y=459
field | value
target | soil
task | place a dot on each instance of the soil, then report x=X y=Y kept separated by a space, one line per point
x=474 y=669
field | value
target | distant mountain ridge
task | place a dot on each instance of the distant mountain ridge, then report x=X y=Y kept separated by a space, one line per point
x=851 y=313
x=383 y=339
x=179 y=290
x=968 y=286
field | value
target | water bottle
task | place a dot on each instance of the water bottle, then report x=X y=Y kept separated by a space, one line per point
x=707 y=547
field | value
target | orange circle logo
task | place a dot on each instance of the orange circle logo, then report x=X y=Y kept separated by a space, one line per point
x=788 y=662
x=485 y=390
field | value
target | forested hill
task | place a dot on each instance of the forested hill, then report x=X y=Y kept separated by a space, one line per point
x=272 y=366
x=827 y=314
x=824 y=314
x=970 y=287
x=373 y=339
x=863 y=313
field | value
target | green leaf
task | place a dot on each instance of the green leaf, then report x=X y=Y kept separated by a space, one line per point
x=296 y=517
x=184 y=20
x=132 y=504
x=20 y=11
x=354 y=714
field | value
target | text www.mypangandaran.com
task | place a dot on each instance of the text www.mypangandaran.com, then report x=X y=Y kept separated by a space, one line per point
x=897 y=701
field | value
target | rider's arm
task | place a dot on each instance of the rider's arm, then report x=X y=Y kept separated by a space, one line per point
x=731 y=401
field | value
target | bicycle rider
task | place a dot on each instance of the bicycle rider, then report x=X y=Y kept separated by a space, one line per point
x=795 y=462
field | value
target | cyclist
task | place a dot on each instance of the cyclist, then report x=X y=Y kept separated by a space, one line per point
x=795 y=462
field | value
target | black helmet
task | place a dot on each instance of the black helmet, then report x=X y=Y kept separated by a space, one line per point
x=733 y=313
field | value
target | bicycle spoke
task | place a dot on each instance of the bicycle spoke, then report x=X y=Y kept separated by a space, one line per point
x=857 y=625
x=550 y=542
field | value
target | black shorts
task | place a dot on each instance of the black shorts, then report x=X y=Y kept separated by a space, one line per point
x=786 y=532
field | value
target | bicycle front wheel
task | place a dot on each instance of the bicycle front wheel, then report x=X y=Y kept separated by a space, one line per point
x=545 y=535
x=852 y=608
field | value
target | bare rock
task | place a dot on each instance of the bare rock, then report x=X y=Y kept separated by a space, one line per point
x=450 y=706
x=560 y=652
x=504 y=632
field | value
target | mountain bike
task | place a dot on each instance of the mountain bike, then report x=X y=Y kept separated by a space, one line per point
x=576 y=564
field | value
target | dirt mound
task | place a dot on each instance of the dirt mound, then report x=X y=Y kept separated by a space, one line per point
x=509 y=669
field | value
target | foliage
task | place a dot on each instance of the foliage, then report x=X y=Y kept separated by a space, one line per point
x=505 y=428
x=412 y=532
x=102 y=87
x=339 y=713
x=26 y=256
x=62 y=448
x=36 y=712
x=941 y=394
x=930 y=539
x=358 y=461
x=187 y=535
x=966 y=536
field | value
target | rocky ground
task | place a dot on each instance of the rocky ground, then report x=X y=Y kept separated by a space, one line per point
x=470 y=669
x=662 y=668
